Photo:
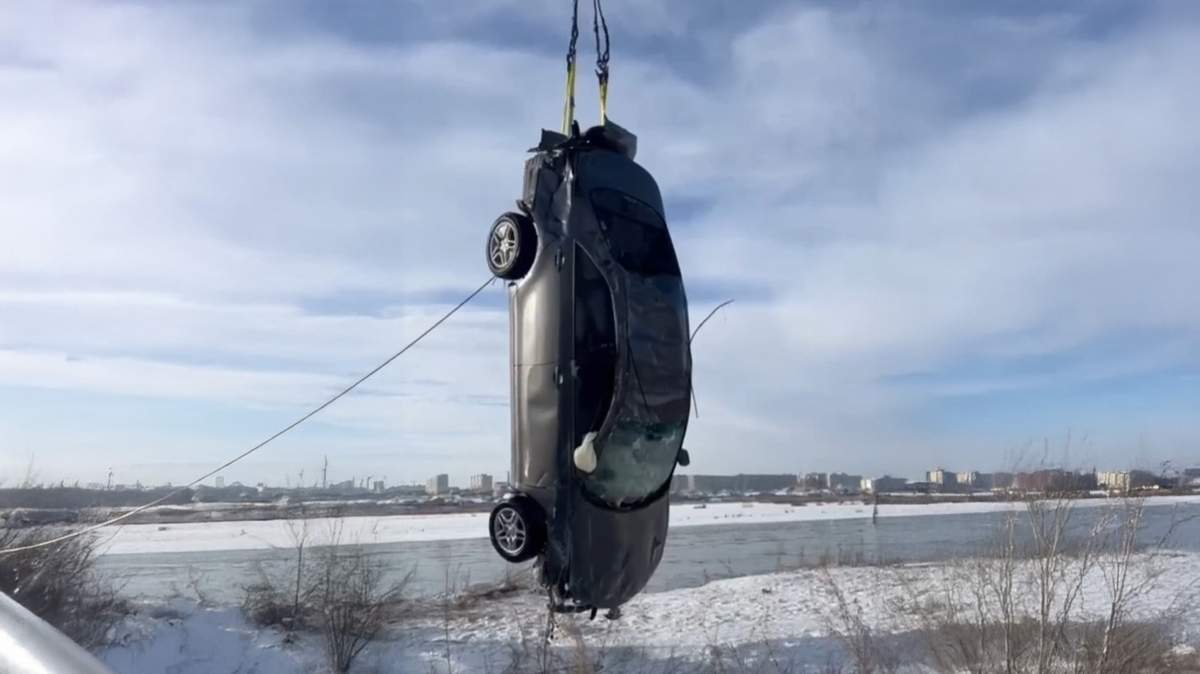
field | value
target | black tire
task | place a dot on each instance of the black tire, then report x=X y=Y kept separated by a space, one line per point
x=511 y=246
x=517 y=529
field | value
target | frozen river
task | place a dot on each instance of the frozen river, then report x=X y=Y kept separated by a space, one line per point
x=718 y=541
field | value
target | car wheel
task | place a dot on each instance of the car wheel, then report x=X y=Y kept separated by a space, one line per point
x=511 y=246
x=517 y=529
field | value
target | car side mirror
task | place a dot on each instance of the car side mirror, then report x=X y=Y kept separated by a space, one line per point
x=683 y=458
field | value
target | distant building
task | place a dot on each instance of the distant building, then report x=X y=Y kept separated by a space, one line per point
x=1023 y=481
x=741 y=483
x=973 y=479
x=408 y=490
x=1055 y=480
x=679 y=484
x=705 y=484
x=1113 y=480
x=378 y=487
x=767 y=482
x=481 y=482
x=220 y=482
x=942 y=479
x=1002 y=480
x=1125 y=480
x=843 y=483
x=501 y=488
x=815 y=481
x=882 y=484
x=1084 y=481
x=438 y=485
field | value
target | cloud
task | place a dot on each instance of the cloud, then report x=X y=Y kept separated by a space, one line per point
x=241 y=208
x=1037 y=227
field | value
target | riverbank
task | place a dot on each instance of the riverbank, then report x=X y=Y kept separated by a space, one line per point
x=815 y=620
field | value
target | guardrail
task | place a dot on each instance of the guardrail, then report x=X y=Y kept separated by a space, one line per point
x=30 y=645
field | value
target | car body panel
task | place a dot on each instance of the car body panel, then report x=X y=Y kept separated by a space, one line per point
x=537 y=426
x=537 y=341
x=616 y=551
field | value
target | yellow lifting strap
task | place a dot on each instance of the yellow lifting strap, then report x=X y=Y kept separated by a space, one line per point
x=603 y=101
x=569 y=105
x=599 y=23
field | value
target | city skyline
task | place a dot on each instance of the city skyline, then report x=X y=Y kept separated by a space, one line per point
x=941 y=250
x=959 y=475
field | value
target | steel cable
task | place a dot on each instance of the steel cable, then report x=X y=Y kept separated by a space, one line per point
x=264 y=443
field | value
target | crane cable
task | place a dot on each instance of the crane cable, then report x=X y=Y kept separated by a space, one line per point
x=87 y=530
x=569 y=104
x=599 y=25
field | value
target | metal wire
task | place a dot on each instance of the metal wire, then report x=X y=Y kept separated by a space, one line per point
x=710 y=315
x=264 y=443
x=600 y=23
x=696 y=403
x=569 y=103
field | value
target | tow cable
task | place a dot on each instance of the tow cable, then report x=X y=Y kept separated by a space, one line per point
x=599 y=27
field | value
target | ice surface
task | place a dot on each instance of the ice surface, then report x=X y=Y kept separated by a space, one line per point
x=257 y=535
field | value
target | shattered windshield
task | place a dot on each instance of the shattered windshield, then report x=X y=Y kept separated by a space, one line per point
x=638 y=454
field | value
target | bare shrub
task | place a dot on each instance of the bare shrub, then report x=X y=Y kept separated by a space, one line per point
x=1020 y=608
x=563 y=646
x=334 y=587
x=473 y=596
x=193 y=589
x=283 y=598
x=1060 y=589
x=59 y=583
x=848 y=624
x=355 y=601
x=265 y=605
x=1131 y=569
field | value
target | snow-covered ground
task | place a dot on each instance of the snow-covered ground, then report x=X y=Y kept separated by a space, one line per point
x=253 y=535
x=787 y=619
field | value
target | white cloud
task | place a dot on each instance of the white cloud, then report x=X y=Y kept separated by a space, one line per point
x=178 y=184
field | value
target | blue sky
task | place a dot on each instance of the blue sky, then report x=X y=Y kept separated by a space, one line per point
x=954 y=230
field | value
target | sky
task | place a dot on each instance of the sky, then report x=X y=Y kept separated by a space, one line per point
x=956 y=233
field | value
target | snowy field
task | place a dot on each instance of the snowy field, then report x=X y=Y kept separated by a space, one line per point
x=771 y=623
x=257 y=535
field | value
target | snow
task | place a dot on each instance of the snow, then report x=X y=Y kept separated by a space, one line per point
x=183 y=638
x=264 y=534
x=788 y=616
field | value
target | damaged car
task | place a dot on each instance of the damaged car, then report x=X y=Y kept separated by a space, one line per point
x=600 y=369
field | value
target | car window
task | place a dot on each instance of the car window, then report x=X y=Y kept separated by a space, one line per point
x=636 y=456
x=595 y=346
x=636 y=234
x=636 y=460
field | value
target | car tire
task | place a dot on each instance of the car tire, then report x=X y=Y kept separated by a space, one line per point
x=517 y=529
x=511 y=246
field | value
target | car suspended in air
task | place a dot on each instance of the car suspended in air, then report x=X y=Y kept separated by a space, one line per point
x=600 y=365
